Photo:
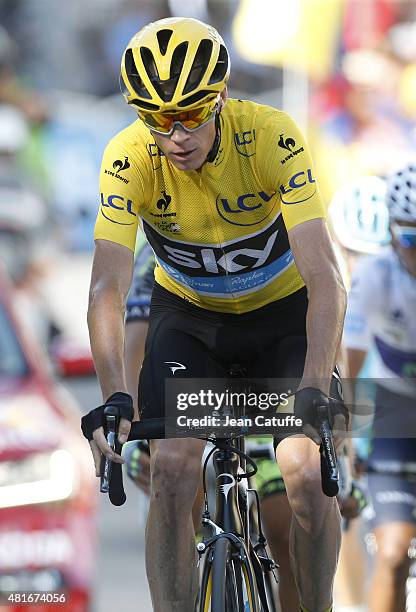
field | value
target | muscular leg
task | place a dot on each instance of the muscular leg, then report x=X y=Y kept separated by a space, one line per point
x=170 y=537
x=198 y=507
x=315 y=531
x=388 y=585
x=393 y=498
x=277 y=515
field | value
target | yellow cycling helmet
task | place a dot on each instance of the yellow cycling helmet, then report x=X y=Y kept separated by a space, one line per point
x=174 y=64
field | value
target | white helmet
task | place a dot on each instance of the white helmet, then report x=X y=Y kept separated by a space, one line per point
x=401 y=194
x=359 y=215
x=14 y=131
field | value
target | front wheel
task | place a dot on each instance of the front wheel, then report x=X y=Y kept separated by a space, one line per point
x=270 y=593
x=230 y=584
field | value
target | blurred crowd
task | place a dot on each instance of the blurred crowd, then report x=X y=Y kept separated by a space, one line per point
x=352 y=80
x=59 y=105
x=351 y=84
x=57 y=61
x=59 y=90
x=364 y=112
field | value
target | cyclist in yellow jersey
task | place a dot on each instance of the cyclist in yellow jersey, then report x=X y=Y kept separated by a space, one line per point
x=226 y=195
x=259 y=185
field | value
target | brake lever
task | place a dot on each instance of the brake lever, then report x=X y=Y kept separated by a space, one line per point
x=329 y=462
x=111 y=473
x=107 y=464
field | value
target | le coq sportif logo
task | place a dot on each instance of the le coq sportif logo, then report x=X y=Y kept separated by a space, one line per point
x=120 y=165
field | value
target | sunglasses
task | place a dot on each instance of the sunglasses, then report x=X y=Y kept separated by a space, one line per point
x=192 y=120
x=405 y=235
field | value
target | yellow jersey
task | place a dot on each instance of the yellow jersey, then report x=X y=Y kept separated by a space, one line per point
x=219 y=234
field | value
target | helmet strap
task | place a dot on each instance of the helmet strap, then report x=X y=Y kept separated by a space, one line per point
x=216 y=144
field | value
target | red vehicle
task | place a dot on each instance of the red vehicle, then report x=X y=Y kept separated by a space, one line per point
x=48 y=492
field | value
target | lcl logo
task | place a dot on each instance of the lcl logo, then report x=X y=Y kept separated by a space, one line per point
x=245 y=142
x=300 y=179
x=113 y=203
x=232 y=210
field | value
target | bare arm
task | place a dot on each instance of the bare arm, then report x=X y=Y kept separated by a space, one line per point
x=136 y=332
x=110 y=282
x=315 y=259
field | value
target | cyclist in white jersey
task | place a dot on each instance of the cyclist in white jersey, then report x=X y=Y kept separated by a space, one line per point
x=381 y=319
x=360 y=224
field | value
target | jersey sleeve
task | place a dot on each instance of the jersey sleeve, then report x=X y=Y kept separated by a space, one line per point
x=286 y=166
x=363 y=299
x=121 y=190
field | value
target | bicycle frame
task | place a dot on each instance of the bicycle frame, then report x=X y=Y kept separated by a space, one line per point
x=254 y=560
x=232 y=513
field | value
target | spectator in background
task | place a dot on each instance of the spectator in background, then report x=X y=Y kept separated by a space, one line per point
x=362 y=127
x=23 y=228
x=380 y=318
x=12 y=91
x=132 y=16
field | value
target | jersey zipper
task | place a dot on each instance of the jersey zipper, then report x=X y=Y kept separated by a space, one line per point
x=220 y=239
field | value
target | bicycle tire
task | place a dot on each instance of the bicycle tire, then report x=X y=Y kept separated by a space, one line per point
x=205 y=588
x=270 y=595
x=233 y=583
x=253 y=602
x=221 y=557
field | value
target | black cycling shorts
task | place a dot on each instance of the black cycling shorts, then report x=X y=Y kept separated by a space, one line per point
x=392 y=459
x=393 y=498
x=394 y=426
x=188 y=341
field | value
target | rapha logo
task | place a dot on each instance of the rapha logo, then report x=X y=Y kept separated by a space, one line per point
x=288 y=143
x=119 y=165
x=226 y=486
x=174 y=365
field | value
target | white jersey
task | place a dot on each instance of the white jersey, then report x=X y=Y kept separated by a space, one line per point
x=381 y=318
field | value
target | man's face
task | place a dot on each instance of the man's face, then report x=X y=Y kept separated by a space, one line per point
x=187 y=150
x=406 y=254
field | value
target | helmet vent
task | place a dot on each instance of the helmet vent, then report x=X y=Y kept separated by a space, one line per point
x=163 y=38
x=199 y=66
x=134 y=77
x=123 y=87
x=196 y=97
x=140 y=104
x=178 y=59
x=164 y=89
x=221 y=67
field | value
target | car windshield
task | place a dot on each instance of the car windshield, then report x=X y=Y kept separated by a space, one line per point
x=12 y=360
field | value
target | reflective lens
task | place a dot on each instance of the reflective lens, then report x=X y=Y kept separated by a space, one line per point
x=405 y=235
x=164 y=123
